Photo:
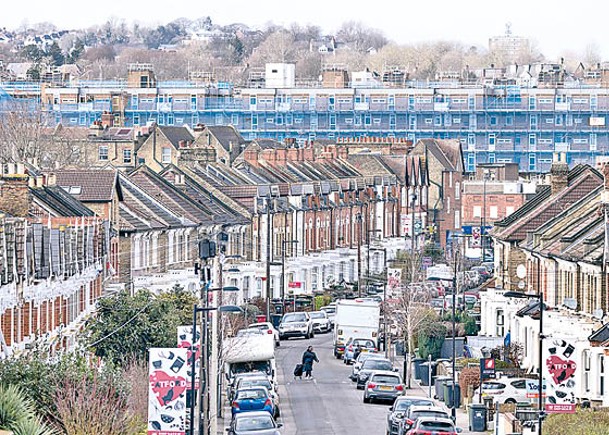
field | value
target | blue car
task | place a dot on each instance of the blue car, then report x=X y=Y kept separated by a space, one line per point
x=253 y=399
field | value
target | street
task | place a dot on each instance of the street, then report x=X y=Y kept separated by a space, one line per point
x=328 y=404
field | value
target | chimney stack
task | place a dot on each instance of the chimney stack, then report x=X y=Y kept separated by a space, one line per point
x=15 y=195
x=559 y=172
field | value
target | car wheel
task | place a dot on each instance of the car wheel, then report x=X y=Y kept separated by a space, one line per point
x=278 y=343
x=366 y=399
x=510 y=401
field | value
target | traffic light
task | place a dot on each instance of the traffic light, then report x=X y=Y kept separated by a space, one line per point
x=207 y=249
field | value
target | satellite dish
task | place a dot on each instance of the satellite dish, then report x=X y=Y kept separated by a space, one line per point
x=598 y=314
x=570 y=303
x=521 y=271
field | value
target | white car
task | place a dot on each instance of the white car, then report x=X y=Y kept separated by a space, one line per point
x=267 y=328
x=320 y=320
x=330 y=310
x=504 y=390
x=296 y=324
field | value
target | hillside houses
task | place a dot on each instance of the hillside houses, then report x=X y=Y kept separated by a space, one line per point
x=312 y=207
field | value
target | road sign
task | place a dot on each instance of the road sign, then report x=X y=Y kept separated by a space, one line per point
x=533 y=388
x=487 y=368
x=417 y=227
x=294 y=284
x=426 y=261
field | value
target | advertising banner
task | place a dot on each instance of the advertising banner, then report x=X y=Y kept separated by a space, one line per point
x=185 y=342
x=168 y=380
x=394 y=278
x=559 y=372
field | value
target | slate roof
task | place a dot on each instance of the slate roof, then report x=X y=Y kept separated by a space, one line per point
x=175 y=134
x=60 y=202
x=140 y=212
x=172 y=198
x=447 y=152
x=225 y=135
x=581 y=180
x=95 y=185
x=576 y=234
x=223 y=209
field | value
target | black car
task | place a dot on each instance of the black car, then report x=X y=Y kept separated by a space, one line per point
x=369 y=366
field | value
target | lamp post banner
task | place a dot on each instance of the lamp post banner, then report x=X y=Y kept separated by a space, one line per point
x=185 y=342
x=167 y=383
x=559 y=372
x=394 y=278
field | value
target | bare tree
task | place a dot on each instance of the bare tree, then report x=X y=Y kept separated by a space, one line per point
x=411 y=311
x=360 y=37
x=21 y=133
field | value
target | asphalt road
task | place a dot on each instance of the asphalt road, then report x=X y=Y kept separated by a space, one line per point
x=329 y=403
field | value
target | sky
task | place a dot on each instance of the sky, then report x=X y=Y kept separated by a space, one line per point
x=555 y=27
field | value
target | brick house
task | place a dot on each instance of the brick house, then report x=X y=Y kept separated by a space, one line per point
x=52 y=267
x=443 y=162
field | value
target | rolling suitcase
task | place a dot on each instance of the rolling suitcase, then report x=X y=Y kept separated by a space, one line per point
x=298 y=370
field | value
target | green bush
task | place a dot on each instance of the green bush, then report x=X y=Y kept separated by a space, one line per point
x=431 y=338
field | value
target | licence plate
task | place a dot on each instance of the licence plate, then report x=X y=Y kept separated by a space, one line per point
x=385 y=388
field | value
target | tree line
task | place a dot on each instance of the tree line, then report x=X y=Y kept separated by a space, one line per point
x=231 y=51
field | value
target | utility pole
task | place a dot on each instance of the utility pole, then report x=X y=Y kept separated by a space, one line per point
x=359 y=254
x=268 y=259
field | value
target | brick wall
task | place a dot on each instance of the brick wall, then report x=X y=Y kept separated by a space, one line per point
x=6 y=322
x=124 y=265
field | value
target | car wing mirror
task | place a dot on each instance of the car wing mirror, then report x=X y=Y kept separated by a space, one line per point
x=279 y=424
x=458 y=430
x=391 y=409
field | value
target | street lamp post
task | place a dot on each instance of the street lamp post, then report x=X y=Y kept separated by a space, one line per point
x=283 y=243
x=203 y=345
x=521 y=295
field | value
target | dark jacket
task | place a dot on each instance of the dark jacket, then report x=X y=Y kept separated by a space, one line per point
x=307 y=360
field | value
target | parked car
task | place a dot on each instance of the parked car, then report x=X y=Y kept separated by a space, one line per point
x=254 y=423
x=232 y=386
x=483 y=271
x=490 y=266
x=400 y=407
x=256 y=381
x=504 y=390
x=320 y=320
x=267 y=328
x=434 y=425
x=254 y=399
x=365 y=345
x=357 y=364
x=330 y=310
x=417 y=411
x=383 y=385
x=296 y=324
x=369 y=366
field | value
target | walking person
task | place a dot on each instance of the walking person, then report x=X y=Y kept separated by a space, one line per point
x=307 y=361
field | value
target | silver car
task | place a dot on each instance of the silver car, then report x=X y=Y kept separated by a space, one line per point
x=254 y=423
x=383 y=385
x=320 y=320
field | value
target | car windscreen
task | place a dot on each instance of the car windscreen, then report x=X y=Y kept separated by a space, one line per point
x=363 y=343
x=374 y=364
x=258 y=393
x=246 y=382
x=403 y=405
x=295 y=317
x=439 y=426
x=386 y=379
x=247 y=424
x=251 y=366
x=418 y=414
x=493 y=386
x=317 y=315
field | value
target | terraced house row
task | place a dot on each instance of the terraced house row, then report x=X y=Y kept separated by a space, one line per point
x=555 y=247
x=313 y=209
x=501 y=117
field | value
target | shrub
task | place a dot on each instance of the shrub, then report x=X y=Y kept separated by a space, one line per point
x=583 y=422
x=431 y=338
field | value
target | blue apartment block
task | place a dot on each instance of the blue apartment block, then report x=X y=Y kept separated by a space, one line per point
x=495 y=124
